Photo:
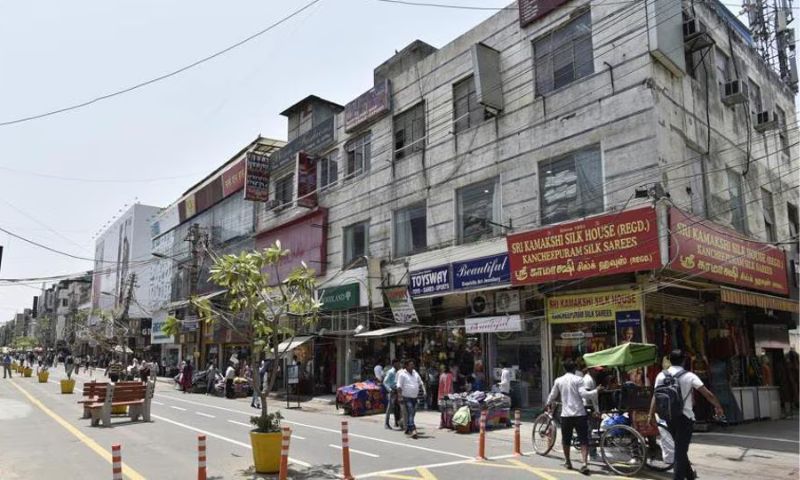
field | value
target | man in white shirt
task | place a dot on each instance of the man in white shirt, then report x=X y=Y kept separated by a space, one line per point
x=230 y=373
x=681 y=427
x=409 y=384
x=505 y=379
x=570 y=389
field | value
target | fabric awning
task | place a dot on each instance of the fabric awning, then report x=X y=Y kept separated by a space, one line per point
x=759 y=300
x=288 y=345
x=384 y=332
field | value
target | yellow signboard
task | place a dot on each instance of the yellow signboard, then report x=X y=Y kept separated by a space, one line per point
x=592 y=307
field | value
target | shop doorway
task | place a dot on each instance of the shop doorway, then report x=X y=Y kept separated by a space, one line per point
x=325 y=355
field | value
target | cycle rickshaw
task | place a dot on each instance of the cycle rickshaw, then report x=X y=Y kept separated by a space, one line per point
x=626 y=441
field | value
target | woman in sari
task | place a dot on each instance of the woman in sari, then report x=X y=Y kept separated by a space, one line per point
x=186 y=377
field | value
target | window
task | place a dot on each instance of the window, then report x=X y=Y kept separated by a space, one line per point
x=754 y=91
x=478 y=211
x=466 y=109
x=359 y=151
x=571 y=186
x=737 y=201
x=783 y=133
x=284 y=190
x=64 y=302
x=410 y=230
x=723 y=66
x=768 y=208
x=328 y=169
x=409 y=131
x=565 y=55
x=794 y=223
x=356 y=240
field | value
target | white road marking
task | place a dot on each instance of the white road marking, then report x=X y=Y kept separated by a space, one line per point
x=155 y=402
x=220 y=437
x=205 y=415
x=384 y=473
x=298 y=437
x=331 y=430
x=751 y=437
x=177 y=408
x=353 y=450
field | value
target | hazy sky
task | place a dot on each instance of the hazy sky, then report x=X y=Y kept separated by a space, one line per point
x=56 y=53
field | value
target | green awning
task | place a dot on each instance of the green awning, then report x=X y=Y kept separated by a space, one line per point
x=626 y=356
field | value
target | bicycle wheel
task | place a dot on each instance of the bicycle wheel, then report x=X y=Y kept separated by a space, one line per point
x=544 y=434
x=623 y=450
x=659 y=458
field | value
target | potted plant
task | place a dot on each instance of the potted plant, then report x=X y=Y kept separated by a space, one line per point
x=265 y=439
x=68 y=384
x=273 y=305
x=42 y=373
x=27 y=372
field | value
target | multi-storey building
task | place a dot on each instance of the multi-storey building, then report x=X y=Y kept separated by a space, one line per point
x=640 y=157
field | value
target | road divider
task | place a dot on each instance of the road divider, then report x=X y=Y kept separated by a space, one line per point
x=116 y=462
x=201 y=457
x=284 y=466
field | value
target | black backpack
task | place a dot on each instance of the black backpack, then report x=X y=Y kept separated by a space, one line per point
x=669 y=399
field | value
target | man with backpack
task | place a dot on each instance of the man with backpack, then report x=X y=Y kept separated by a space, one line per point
x=672 y=400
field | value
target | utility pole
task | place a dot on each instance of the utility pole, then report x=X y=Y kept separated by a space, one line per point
x=194 y=237
x=123 y=318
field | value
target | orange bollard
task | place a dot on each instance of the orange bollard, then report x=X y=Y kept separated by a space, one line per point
x=284 y=471
x=482 y=438
x=201 y=457
x=346 y=453
x=116 y=462
x=517 y=424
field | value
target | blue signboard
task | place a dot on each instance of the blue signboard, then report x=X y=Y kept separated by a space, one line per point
x=481 y=272
x=431 y=280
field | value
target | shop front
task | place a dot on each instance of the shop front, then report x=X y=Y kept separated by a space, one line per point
x=163 y=346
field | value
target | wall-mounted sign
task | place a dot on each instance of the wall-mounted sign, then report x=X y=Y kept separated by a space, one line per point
x=313 y=141
x=428 y=281
x=530 y=10
x=343 y=297
x=368 y=107
x=190 y=324
x=306 y=176
x=233 y=179
x=256 y=184
x=620 y=242
x=702 y=248
x=481 y=272
x=593 y=306
x=306 y=238
x=505 y=323
x=401 y=305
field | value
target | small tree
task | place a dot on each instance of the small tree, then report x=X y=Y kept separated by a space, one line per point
x=257 y=291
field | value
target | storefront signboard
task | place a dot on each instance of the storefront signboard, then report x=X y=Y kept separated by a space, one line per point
x=431 y=280
x=369 y=106
x=256 y=182
x=190 y=324
x=401 y=305
x=343 y=297
x=233 y=179
x=504 y=323
x=157 y=335
x=592 y=306
x=620 y=242
x=701 y=248
x=313 y=141
x=481 y=272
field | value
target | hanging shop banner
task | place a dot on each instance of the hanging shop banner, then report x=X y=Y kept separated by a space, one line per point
x=593 y=306
x=530 y=10
x=343 y=297
x=428 y=281
x=505 y=323
x=320 y=137
x=481 y=272
x=401 y=305
x=256 y=183
x=701 y=248
x=620 y=242
x=368 y=107
x=629 y=326
x=233 y=179
x=306 y=180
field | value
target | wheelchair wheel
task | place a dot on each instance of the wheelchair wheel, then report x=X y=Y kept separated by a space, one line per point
x=623 y=449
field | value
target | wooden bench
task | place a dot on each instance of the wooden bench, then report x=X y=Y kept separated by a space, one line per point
x=91 y=393
x=134 y=395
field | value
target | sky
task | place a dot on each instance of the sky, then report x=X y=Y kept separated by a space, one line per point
x=65 y=176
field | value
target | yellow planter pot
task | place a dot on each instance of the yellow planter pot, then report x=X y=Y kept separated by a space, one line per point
x=67 y=386
x=266 y=451
x=43 y=376
x=27 y=372
x=119 y=410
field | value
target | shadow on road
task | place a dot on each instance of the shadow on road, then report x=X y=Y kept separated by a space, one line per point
x=301 y=473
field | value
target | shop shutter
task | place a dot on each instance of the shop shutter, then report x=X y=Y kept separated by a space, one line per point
x=664 y=304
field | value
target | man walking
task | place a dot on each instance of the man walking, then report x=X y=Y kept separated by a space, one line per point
x=230 y=373
x=6 y=365
x=114 y=370
x=409 y=383
x=570 y=389
x=680 y=422
x=390 y=384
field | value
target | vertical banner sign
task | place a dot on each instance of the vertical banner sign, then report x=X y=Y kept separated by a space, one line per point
x=401 y=305
x=256 y=183
x=233 y=179
x=306 y=180
x=629 y=326
x=701 y=248
x=431 y=280
x=620 y=242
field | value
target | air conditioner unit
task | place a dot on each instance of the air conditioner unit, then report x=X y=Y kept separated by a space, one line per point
x=765 y=121
x=506 y=301
x=695 y=36
x=481 y=303
x=735 y=93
